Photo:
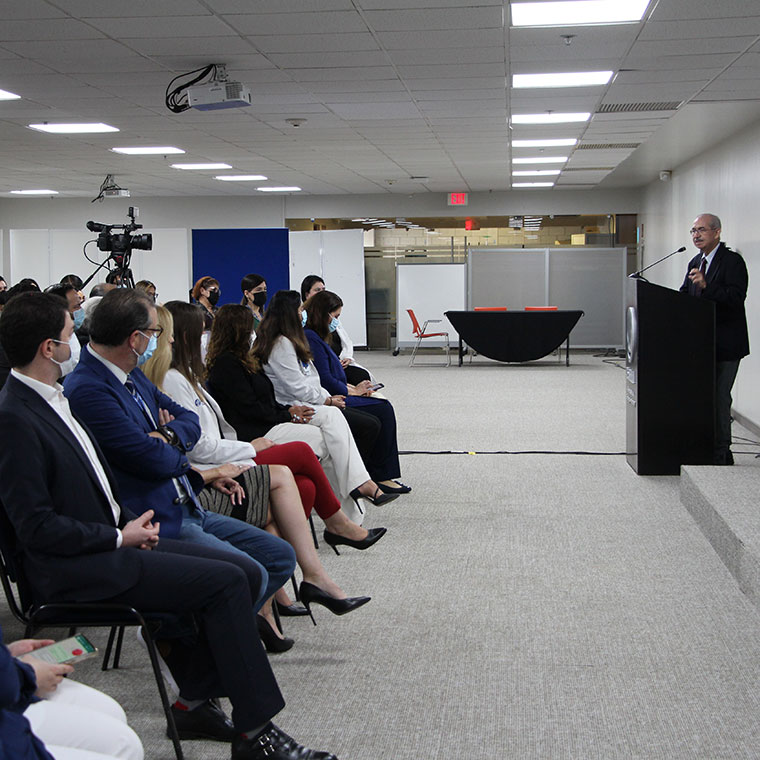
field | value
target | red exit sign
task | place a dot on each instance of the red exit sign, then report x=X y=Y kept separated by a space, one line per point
x=457 y=199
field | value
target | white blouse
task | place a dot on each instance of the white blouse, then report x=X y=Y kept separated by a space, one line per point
x=294 y=382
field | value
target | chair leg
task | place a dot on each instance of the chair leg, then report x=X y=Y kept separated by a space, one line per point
x=170 y=725
x=276 y=616
x=313 y=532
x=109 y=646
x=414 y=351
x=119 y=642
x=296 y=592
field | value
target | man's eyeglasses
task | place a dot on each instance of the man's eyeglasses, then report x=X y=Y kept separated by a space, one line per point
x=155 y=330
x=700 y=230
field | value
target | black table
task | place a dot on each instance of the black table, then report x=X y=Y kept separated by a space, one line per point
x=514 y=336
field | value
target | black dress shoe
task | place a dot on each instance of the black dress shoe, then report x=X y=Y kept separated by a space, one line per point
x=271 y=641
x=378 y=499
x=205 y=722
x=290 y=610
x=275 y=744
x=334 y=540
x=311 y=594
x=397 y=489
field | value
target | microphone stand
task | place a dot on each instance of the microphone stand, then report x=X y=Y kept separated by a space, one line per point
x=637 y=275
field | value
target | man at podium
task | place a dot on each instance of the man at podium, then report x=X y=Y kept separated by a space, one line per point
x=720 y=275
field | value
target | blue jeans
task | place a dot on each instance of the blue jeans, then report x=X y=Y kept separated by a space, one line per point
x=274 y=557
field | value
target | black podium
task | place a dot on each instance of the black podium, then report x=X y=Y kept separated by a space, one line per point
x=670 y=383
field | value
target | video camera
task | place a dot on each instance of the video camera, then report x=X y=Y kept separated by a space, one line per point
x=121 y=243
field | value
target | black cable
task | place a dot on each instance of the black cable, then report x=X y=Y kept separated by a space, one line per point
x=174 y=98
x=566 y=453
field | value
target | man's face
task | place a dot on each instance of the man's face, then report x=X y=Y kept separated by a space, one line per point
x=73 y=300
x=703 y=236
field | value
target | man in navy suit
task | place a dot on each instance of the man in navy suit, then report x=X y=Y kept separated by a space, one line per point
x=720 y=275
x=144 y=436
x=77 y=542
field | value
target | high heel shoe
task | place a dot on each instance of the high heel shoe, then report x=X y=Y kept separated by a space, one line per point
x=311 y=594
x=271 y=641
x=402 y=487
x=378 y=499
x=290 y=610
x=335 y=540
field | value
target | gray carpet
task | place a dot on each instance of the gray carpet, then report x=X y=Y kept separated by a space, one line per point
x=524 y=605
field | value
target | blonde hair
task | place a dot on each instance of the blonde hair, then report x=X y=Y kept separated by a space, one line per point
x=157 y=366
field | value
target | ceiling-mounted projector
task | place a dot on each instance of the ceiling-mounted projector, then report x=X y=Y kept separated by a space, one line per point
x=214 y=96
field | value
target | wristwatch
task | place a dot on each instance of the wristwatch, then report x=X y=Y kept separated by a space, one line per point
x=171 y=437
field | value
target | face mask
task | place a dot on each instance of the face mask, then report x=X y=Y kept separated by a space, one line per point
x=334 y=324
x=303 y=318
x=260 y=298
x=145 y=355
x=62 y=365
x=79 y=316
x=213 y=297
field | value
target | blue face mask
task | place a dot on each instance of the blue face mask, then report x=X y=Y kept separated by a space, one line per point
x=303 y=318
x=334 y=324
x=145 y=355
x=79 y=316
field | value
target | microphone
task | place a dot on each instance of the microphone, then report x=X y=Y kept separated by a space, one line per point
x=637 y=275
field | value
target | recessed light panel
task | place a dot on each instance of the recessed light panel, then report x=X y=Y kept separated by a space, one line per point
x=161 y=150
x=34 y=192
x=578 y=12
x=5 y=95
x=279 y=189
x=200 y=167
x=557 y=143
x=241 y=177
x=536 y=173
x=73 y=129
x=550 y=118
x=562 y=79
x=532 y=184
x=540 y=160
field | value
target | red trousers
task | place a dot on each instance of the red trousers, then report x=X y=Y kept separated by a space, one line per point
x=310 y=477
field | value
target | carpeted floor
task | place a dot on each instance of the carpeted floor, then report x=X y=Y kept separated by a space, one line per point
x=524 y=605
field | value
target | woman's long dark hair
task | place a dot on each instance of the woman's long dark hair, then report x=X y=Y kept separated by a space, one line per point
x=249 y=282
x=186 y=350
x=281 y=319
x=318 y=309
x=231 y=333
x=308 y=283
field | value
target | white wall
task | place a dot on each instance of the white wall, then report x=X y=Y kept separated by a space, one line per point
x=722 y=181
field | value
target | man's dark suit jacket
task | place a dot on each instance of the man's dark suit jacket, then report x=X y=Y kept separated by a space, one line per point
x=54 y=499
x=143 y=466
x=727 y=282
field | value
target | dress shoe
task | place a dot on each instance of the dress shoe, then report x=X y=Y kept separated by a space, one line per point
x=290 y=610
x=271 y=641
x=378 y=499
x=275 y=744
x=397 y=489
x=207 y=721
x=311 y=594
x=335 y=540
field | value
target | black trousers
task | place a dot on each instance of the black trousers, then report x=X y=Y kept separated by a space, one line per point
x=365 y=428
x=226 y=658
x=382 y=459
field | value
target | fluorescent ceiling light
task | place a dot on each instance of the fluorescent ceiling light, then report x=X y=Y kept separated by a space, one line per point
x=578 y=12
x=279 y=189
x=200 y=167
x=549 y=118
x=536 y=173
x=73 y=129
x=532 y=184
x=241 y=177
x=558 y=143
x=34 y=192
x=5 y=95
x=161 y=150
x=562 y=79
x=540 y=160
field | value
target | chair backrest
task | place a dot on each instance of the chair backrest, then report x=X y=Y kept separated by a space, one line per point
x=20 y=600
x=415 y=324
x=540 y=308
x=490 y=308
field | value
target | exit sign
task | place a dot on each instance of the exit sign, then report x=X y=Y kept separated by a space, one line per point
x=457 y=199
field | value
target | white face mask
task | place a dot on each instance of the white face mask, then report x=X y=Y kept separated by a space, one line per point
x=67 y=365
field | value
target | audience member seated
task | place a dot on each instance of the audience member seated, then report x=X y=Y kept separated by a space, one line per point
x=254 y=289
x=338 y=339
x=71 y=296
x=79 y=543
x=76 y=281
x=26 y=285
x=282 y=348
x=205 y=293
x=246 y=397
x=148 y=288
x=3 y=283
x=272 y=499
x=115 y=278
x=99 y=290
x=144 y=436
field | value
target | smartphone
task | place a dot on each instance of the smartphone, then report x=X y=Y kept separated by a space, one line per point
x=76 y=648
x=376 y=387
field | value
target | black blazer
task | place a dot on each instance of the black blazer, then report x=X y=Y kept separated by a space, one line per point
x=63 y=522
x=727 y=282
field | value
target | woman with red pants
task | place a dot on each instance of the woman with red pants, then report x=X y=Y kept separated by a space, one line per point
x=272 y=495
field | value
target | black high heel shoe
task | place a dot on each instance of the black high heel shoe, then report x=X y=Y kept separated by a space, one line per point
x=402 y=487
x=290 y=610
x=335 y=540
x=378 y=499
x=271 y=641
x=311 y=594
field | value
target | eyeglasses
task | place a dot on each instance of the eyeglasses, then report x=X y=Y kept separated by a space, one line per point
x=700 y=230
x=155 y=330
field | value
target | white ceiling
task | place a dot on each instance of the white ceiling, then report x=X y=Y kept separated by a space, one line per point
x=390 y=89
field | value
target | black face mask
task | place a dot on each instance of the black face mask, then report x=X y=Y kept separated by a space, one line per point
x=213 y=297
x=260 y=298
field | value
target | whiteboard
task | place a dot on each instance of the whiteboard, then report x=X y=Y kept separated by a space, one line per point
x=429 y=290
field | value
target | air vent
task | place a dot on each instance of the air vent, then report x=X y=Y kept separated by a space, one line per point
x=608 y=146
x=668 y=105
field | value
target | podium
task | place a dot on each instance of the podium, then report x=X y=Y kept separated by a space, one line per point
x=670 y=379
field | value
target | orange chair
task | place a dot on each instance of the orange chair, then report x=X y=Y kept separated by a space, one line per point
x=490 y=308
x=421 y=332
x=540 y=308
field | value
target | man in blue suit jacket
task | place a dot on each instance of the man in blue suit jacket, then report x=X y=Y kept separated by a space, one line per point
x=144 y=436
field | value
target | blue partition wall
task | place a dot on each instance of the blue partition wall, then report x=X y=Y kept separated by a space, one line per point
x=230 y=254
